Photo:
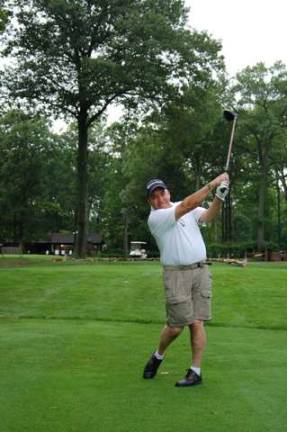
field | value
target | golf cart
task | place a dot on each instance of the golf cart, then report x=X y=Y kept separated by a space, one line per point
x=138 y=250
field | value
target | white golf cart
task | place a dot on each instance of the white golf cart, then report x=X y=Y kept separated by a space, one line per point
x=138 y=250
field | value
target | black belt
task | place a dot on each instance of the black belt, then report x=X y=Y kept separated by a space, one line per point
x=185 y=267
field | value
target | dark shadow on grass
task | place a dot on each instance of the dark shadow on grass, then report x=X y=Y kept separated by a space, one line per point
x=136 y=321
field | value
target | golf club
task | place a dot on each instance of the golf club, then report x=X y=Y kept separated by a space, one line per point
x=230 y=117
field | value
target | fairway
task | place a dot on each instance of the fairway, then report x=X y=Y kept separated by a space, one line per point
x=75 y=338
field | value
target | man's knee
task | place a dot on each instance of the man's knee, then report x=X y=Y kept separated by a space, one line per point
x=197 y=324
x=174 y=331
x=198 y=336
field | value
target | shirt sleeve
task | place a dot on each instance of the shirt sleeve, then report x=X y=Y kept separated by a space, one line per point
x=161 y=220
x=197 y=213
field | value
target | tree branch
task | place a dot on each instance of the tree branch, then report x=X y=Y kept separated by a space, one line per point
x=106 y=104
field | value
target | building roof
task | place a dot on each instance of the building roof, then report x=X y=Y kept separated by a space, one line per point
x=59 y=238
x=69 y=238
x=62 y=238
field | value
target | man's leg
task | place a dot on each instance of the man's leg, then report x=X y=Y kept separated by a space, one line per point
x=198 y=343
x=168 y=335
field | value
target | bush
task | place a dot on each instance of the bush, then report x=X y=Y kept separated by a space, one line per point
x=153 y=253
x=271 y=246
x=232 y=250
x=111 y=253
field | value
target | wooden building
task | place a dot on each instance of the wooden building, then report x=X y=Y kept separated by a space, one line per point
x=55 y=243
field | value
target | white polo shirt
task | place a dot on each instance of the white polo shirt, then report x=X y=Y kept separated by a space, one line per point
x=180 y=242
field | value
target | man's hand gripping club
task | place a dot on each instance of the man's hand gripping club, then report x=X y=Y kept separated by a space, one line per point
x=195 y=199
x=222 y=190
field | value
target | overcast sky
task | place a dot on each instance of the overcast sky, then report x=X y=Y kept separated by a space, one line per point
x=250 y=30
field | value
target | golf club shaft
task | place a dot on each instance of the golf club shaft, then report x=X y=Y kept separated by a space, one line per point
x=230 y=145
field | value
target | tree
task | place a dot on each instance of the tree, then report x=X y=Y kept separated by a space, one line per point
x=259 y=94
x=3 y=18
x=77 y=57
x=37 y=182
x=24 y=146
x=174 y=144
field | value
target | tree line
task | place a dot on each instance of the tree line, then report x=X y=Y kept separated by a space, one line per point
x=75 y=58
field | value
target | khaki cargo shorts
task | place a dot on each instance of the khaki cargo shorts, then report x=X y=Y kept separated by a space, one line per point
x=188 y=292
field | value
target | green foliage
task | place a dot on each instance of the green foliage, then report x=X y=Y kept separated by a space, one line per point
x=78 y=57
x=74 y=59
x=36 y=179
x=3 y=18
x=185 y=145
x=232 y=250
x=242 y=227
x=168 y=146
x=111 y=253
x=24 y=147
x=95 y=52
x=272 y=246
x=262 y=133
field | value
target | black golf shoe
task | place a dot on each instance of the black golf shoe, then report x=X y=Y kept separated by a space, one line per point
x=151 y=367
x=190 y=379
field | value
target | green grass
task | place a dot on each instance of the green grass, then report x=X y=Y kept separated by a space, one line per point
x=255 y=296
x=74 y=339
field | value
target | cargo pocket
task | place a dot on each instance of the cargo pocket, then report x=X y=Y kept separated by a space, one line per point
x=206 y=285
x=178 y=301
x=203 y=304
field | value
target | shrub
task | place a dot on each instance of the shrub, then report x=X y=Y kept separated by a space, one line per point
x=232 y=250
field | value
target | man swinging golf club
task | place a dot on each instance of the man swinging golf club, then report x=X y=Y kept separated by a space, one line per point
x=187 y=280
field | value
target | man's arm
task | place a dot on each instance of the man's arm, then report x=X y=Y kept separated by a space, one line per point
x=194 y=200
x=220 y=195
x=211 y=212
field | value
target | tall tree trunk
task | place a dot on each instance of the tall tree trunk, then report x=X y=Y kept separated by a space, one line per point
x=82 y=178
x=278 y=210
x=20 y=232
x=260 y=238
x=228 y=237
x=282 y=178
x=262 y=157
x=126 y=233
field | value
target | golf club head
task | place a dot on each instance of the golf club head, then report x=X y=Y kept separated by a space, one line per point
x=229 y=115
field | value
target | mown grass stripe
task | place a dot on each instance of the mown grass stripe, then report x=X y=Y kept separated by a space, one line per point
x=139 y=321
